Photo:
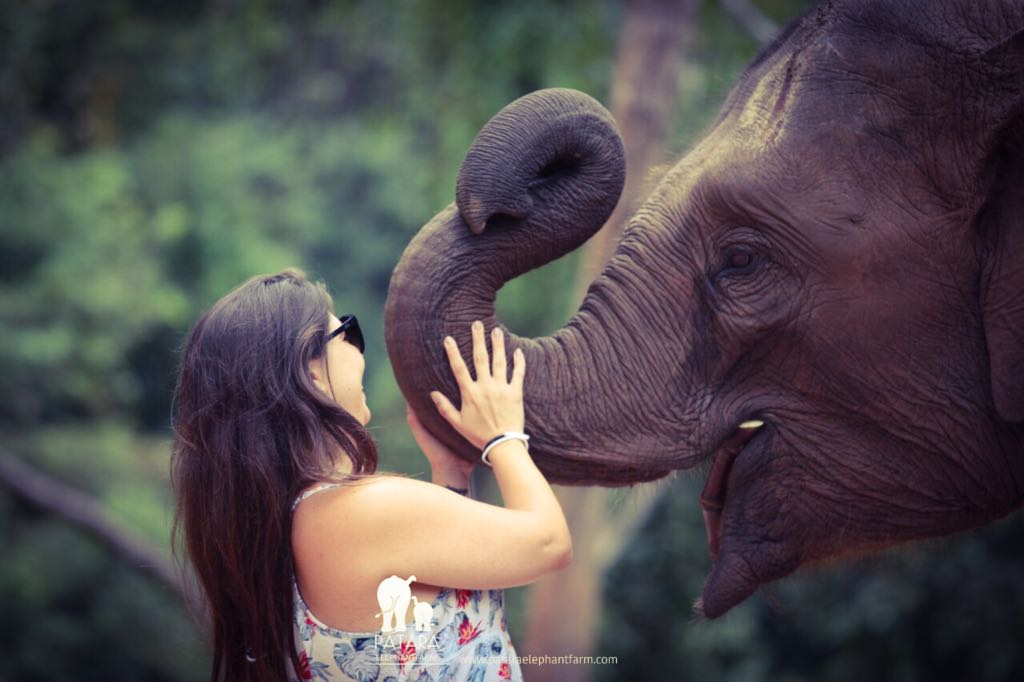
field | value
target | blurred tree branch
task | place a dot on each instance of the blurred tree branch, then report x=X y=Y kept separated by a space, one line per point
x=52 y=496
x=756 y=22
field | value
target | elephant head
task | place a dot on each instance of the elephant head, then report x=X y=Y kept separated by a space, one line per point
x=840 y=257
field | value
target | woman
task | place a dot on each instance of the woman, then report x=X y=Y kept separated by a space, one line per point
x=307 y=557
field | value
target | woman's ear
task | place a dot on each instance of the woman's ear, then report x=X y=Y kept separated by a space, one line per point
x=317 y=372
x=1002 y=276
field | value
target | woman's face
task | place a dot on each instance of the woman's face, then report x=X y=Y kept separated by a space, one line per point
x=339 y=374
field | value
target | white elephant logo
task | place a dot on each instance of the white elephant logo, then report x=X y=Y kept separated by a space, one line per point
x=393 y=595
x=422 y=613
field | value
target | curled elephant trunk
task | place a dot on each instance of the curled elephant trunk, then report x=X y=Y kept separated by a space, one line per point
x=552 y=164
x=539 y=180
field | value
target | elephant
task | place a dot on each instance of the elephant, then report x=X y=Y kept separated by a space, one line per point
x=837 y=265
x=422 y=613
x=393 y=595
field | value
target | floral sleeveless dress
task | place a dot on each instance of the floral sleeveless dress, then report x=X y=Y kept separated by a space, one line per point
x=467 y=641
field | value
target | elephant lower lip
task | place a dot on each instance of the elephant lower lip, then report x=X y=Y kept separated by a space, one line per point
x=712 y=498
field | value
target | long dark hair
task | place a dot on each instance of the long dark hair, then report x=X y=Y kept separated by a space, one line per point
x=251 y=430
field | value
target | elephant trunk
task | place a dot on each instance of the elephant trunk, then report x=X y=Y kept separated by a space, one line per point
x=539 y=180
x=548 y=150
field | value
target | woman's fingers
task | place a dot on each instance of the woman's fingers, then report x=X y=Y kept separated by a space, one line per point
x=518 y=368
x=498 y=344
x=445 y=407
x=479 y=351
x=459 y=368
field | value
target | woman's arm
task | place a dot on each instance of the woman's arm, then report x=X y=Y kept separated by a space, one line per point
x=447 y=469
x=456 y=481
x=404 y=526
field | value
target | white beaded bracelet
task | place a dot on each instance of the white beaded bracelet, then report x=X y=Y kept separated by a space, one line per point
x=508 y=435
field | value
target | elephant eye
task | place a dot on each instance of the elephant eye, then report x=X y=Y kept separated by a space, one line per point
x=737 y=260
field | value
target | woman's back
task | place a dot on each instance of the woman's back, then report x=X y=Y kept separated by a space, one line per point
x=448 y=634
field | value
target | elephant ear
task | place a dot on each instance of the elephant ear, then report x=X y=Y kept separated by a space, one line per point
x=1002 y=282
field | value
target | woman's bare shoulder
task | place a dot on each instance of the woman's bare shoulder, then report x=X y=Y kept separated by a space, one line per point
x=341 y=528
x=373 y=485
x=355 y=500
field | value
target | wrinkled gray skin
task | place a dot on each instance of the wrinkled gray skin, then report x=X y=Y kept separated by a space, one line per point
x=841 y=257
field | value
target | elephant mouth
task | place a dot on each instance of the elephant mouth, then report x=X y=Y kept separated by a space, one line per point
x=712 y=498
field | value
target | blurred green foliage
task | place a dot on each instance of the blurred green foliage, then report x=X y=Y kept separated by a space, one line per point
x=155 y=153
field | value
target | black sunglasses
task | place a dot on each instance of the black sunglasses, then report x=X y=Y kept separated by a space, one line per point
x=353 y=334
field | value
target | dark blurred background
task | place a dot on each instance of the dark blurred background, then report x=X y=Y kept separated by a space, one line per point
x=155 y=153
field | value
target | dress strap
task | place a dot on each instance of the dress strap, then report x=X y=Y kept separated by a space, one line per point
x=313 y=491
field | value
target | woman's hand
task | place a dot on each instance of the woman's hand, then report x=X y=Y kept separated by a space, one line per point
x=492 y=404
x=444 y=463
